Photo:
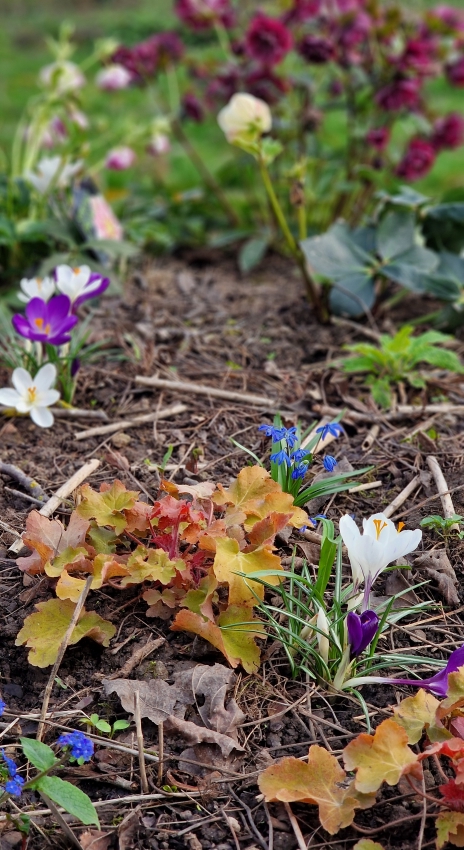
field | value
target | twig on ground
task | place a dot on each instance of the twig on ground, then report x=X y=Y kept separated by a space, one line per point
x=250 y=820
x=230 y=824
x=62 y=493
x=372 y=485
x=401 y=497
x=140 y=744
x=296 y=827
x=30 y=484
x=403 y=411
x=370 y=438
x=60 y=819
x=24 y=496
x=160 y=752
x=61 y=652
x=201 y=389
x=78 y=413
x=139 y=654
x=11 y=530
x=112 y=427
x=443 y=490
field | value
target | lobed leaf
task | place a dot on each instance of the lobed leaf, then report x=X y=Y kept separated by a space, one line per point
x=229 y=561
x=417 y=713
x=107 y=507
x=450 y=827
x=382 y=757
x=237 y=644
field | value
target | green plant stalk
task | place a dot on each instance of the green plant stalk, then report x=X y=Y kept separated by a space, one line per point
x=311 y=287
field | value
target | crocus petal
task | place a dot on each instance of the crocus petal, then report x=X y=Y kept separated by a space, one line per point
x=36 y=309
x=22 y=326
x=21 y=380
x=42 y=417
x=58 y=309
x=23 y=405
x=46 y=376
x=48 y=397
x=353 y=622
x=9 y=397
x=92 y=290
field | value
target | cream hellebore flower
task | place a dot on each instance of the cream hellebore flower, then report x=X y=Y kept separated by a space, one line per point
x=63 y=76
x=33 y=395
x=36 y=287
x=380 y=544
x=244 y=117
x=51 y=171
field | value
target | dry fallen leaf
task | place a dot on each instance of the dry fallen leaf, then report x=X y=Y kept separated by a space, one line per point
x=438 y=567
x=128 y=828
x=94 y=839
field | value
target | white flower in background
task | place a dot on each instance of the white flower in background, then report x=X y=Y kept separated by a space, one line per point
x=78 y=118
x=245 y=116
x=379 y=545
x=75 y=282
x=119 y=159
x=63 y=77
x=33 y=395
x=51 y=171
x=160 y=144
x=113 y=78
x=36 y=287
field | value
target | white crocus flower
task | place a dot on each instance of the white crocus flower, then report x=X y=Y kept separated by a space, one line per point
x=322 y=635
x=36 y=287
x=33 y=395
x=51 y=171
x=380 y=544
x=244 y=117
x=73 y=281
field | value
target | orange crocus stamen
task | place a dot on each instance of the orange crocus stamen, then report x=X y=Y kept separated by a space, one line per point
x=39 y=322
x=379 y=526
x=400 y=527
x=76 y=270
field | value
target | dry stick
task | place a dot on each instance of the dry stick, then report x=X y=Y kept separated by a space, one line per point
x=23 y=496
x=140 y=744
x=296 y=828
x=160 y=752
x=77 y=413
x=403 y=411
x=201 y=389
x=370 y=438
x=401 y=497
x=443 y=490
x=370 y=486
x=29 y=484
x=62 y=493
x=61 y=652
x=60 y=819
x=11 y=530
x=131 y=423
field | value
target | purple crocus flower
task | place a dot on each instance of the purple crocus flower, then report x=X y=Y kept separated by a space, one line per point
x=361 y=630
x=437 y=684
x=46 y=321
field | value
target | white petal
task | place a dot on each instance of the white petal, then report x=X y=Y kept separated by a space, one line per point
x=46 y=376
x=47 y=398
x=21 y=380
x=23 y=405
x=42 y=417
x=9 y=397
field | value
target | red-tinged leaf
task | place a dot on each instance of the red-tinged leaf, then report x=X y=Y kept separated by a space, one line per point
x=450 y=827
x=48 y=538
x=77 y=559
x=230 y=560
x=103 y=568
x=382 y=757
x=163 y=603
x=453 y=795
x=234 y=640
x=253 y=496
x=457 y=727
x=264 y=531
x=200 y=600
x=138 y=517
x=43 y=631
x=107 y=507
x=208 y=537
x=319 y=781
x=453 y=748
x=202 y=490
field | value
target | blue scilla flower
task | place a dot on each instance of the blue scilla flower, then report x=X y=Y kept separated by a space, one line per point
x=11 y=766
x=277 y=434
x=280 y=457
x=81 y=746
x=329 y=463
x=291 y=437
x=299 y=471
x=298 y=455
x=14 y=786
x=332 y=428
x=2 y=707
x=315 y=519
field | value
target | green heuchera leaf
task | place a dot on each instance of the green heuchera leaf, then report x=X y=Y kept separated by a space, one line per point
x=69 y=797
x=39 y=754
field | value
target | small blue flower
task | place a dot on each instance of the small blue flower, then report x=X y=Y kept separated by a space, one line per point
x=14 y=786
x=329 y=463
x=81 y=746
x=299 y=455
x=2 y=707
x=299 y=471
x=12 y=769
x=277 y=434
x=332 y=428
x=280 y=457
x=302 y=529
x=315 y=519
x=291 y=437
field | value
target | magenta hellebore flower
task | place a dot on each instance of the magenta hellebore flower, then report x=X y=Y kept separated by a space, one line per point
x=315 y=49
x=378 y=138
x=301 y=11
x=455 y=72
x=417 y=161
x=399 y=94
x=448 y=132
x=361 y=630
x=267 y=40
x=203 y=14
x=46 y=321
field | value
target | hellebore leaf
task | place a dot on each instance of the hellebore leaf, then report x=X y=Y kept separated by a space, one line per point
x=237 y=644
x=450 y=827
x=230 y=560
x=49 y=538
x=416 y=713
x=44 y=630
x=107 y=507
x=316 y=781
x=382 y=757
x=150 y=565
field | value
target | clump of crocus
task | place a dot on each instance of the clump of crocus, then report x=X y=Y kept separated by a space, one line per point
x=44 y=321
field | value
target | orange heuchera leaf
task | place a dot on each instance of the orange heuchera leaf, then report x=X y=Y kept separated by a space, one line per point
x=48 y=538
x=265 y=530
x=235 y=639
x=108 y=506
x=103 y=568
x=383 y=757
x=453 y=748
x=43 y=631
x=254 y=495
x=200 y=600
x=278 y=502
x=208 y=536
x=418 y=713
x=230 y=560
x=319 y=781
x=455 y=693
x=450 y=827
x=138 y=517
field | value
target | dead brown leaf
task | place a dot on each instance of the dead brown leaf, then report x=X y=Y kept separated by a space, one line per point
x=94 y=839
x=212 y=683
x=438 y=567
x=128 y=828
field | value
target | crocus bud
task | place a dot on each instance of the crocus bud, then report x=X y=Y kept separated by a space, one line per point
x=322 y=635
x=361 y=630
x=245 y=117
x=113 y=78
x=119 y=159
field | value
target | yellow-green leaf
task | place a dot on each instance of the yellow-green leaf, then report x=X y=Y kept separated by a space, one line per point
x=43 y=631
x=450 y=827
x=417 y=713
x=382 y=757
x=150 y=565
x=368 y=844
x=108 y=506
x=237 y=644
x=229 y=561
x=78 y=558
x=455 y=693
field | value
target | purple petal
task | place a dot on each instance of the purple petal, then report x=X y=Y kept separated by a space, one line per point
x=437 y=684
x=36 y=308
x=58 y=308
x=369 y=624
x=22 y=326
x=354 y=626
x=95 y=293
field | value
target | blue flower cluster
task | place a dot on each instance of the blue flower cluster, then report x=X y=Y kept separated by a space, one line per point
x=14 y=784
x=298 y=461
x=81 y=746
x=2 y=707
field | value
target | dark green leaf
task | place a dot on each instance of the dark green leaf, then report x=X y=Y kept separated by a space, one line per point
x=335 y=254
x=396 y=233
x=39 y=754
x=69 y=797
x=352 y=295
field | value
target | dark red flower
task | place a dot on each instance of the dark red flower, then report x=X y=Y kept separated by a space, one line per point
x=378 y=137
x=448 y=132
x=225 y=84
x=267 y=40
x=402 y=93
x=419 y=55
x=125 y=56
x=169 y=48
x=147 y=57
x=450 y=18
x=455 y=72
x=192 y=108
x=301 y=11
x=203 y=14
x=417 y=161
x=354 y=31
x=315 y=49
x=266 y=85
